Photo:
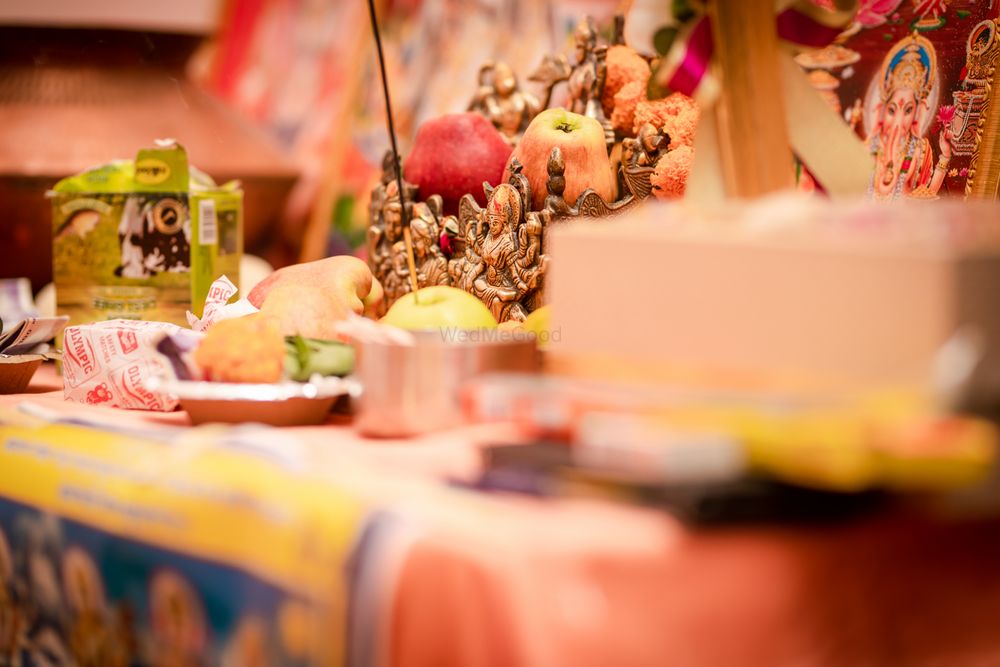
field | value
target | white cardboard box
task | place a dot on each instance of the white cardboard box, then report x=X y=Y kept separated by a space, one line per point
x=786 y=288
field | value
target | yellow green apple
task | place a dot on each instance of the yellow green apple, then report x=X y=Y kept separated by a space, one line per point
x=539 y=321
x=439 y=307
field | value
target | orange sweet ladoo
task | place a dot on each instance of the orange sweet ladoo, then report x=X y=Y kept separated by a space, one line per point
x=244 y=349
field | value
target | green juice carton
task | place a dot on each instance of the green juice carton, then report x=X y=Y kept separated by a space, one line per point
x=143 y=239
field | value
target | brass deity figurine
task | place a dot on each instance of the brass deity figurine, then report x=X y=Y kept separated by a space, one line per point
x=464 y=268
x=502 y=101
x=647 y=147
x=384 y=230
x=385 y=244
x=585 y=78
x=396 y=280
x=432 y=267
x=504 y=264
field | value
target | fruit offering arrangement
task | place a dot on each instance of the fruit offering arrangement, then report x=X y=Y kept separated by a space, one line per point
x=294 y=336
x=284 y=333
x=481 y=187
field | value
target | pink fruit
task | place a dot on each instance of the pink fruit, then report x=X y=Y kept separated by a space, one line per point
x=581 y=141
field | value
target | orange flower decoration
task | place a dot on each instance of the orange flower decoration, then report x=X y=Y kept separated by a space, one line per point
x=677 y=115
x=671 y=175
x=625 y=66
x=623 y=117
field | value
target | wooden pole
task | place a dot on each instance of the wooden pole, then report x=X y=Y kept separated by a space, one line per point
x=754 y=154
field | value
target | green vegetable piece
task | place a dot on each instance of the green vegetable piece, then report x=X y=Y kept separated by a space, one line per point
x=307 y=356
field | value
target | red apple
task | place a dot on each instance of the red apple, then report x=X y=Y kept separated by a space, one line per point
x=581 y=140
x=453 y=155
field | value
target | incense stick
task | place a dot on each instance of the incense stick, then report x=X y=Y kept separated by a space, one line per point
x=395 y=151
x=410 y=261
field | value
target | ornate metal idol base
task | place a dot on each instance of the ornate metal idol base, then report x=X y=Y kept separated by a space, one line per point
x=496 y=252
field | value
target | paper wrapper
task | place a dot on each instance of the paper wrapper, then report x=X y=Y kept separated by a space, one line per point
x=106 y=363
x=216 y=306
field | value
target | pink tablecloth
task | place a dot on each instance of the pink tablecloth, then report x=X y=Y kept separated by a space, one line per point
x=503 y=580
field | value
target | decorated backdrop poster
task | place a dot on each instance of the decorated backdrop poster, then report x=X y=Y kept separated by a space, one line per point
x=912 y=77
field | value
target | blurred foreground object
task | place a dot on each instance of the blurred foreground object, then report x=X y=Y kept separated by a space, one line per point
x=71 y=98
x=792 y=290
x=672 y=434
x=411 y=389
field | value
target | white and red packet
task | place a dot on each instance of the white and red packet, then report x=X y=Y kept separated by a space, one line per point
x=217 y=306
x=106 y=363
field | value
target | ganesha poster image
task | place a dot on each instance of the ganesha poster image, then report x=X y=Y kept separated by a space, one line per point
x=913 y=79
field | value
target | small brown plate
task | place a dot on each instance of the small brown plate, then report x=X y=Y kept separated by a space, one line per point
x=281 y=404
x=16 y=371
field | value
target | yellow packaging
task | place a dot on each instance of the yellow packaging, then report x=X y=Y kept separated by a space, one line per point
x=143 y=239
x=170 y=553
